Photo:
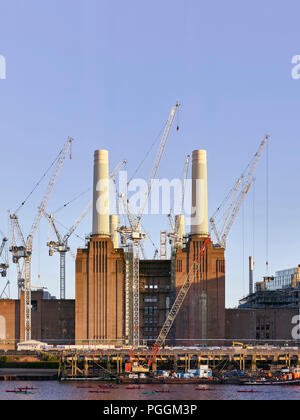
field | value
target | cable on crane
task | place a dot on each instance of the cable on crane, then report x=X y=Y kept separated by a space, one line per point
x=243 y=249
x=178 y=124
x=267 y=210
x=62 y=225
x=147 y=154
x=39 y=182
x=253 y=222
x=149 y=237
x=71 y=201
x=39 y=254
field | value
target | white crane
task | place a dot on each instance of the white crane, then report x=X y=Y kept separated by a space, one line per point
x=174 y=236
x=134 y=234
x=17 y=251
x=185 y=174
x=236 y=199
x=3 y=265
x=61 y=245
x=25 y=250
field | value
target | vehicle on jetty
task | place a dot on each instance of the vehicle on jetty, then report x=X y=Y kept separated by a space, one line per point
x=202 y=375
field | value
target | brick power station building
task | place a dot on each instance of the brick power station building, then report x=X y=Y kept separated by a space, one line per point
x=103 y=304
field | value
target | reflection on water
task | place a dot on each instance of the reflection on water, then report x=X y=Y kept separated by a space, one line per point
x=53 y=390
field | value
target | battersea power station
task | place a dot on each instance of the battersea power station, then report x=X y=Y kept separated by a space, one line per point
x=106 y=307
x=124 y=300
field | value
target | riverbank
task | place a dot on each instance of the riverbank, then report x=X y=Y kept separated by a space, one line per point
x=28 y=374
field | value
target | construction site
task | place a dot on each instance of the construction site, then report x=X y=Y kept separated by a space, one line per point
x=124 y=303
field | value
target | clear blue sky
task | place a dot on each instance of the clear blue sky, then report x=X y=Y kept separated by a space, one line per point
x=108 y=72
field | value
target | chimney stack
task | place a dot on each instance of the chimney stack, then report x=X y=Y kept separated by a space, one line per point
x=180 y=229
x=251 y=269
x=101 y=194
x=199 y=215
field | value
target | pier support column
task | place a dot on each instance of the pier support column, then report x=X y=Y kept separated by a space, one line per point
x=73 y=366
x=108 y=363
x=118 y=365
x=154 y=365
x=253 y=363
x=185 y=363
x=199 y=362
x=175 y=363
x=86 y=366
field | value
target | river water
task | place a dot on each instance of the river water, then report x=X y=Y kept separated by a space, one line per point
x=52 y=390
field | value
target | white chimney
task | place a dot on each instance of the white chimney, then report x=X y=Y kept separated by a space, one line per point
x=251 y=269
x=199 y=215
x=101 y=194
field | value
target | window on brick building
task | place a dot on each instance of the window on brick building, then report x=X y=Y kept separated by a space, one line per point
x=150 y=300
x=34 y=305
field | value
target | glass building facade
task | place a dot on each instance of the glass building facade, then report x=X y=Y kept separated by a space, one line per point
x=284 y=279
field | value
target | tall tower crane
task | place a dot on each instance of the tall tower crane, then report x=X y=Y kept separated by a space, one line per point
x=61 y=245
x=25 y=250
x=134 y=234
x=236 y=198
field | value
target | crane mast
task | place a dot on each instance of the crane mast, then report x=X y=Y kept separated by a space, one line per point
x=25 y=251
x=134 y=233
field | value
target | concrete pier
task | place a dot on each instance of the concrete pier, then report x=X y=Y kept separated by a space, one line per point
x=113 y=363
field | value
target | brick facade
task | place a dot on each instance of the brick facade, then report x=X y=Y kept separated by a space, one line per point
x=52 y=320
